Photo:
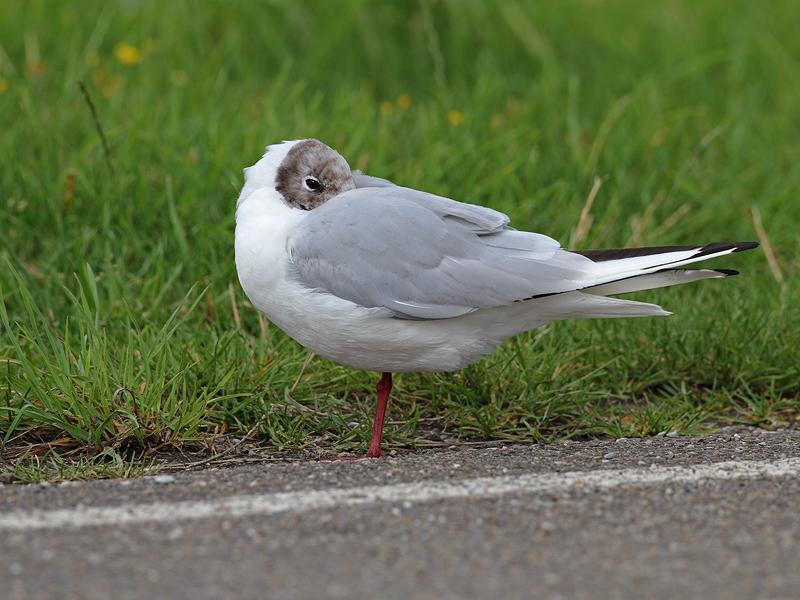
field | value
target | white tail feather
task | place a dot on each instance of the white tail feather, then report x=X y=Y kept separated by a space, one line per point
x=642 y=265
x=654 y=280
x=578 y=305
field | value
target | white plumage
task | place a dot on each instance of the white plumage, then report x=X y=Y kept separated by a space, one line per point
x=438 y=303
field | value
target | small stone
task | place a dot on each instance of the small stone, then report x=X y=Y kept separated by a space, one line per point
x=455 y=465
x=161 y=479
x=609 y=456
x=672 y=434
x=622 y=439
x=552 y=578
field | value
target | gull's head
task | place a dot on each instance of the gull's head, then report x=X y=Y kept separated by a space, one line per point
x=306 y=173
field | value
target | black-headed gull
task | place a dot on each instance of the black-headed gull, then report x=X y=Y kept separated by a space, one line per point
x=386 y=278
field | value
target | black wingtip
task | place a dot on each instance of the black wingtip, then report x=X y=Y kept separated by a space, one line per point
x=742 y=246
x=727 y=272
x=619 y=253
x=723 y=246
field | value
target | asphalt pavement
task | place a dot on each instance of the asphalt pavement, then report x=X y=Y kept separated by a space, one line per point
x=712 y=517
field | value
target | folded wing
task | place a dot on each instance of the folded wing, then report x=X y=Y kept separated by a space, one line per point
x=426 y=257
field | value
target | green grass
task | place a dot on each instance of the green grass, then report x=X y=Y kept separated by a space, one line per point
x=54 y=467
x=123 y=329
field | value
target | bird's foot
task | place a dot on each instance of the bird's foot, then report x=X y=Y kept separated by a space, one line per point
x=373 y=453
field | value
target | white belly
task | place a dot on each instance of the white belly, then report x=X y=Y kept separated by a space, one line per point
x=364 y=338
x=371 y=338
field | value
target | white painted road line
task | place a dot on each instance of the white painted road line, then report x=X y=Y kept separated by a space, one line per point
x=417 y=492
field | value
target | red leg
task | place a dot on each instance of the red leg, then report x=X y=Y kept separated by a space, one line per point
x=384 y=387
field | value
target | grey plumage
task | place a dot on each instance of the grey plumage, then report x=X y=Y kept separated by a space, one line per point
x=424 y=256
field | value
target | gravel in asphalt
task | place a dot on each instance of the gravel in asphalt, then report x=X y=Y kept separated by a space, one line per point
x=724 y=538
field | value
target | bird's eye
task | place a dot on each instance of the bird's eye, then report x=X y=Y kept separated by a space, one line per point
x=312 y=184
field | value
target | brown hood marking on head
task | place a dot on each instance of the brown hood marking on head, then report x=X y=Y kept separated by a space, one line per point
x=312 y=158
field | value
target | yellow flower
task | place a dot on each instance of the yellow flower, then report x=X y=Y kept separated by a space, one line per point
x=178 y=77
x=113 y=85
x=127 y=54
x=403 y=101
x=658 y=138
x=108 y=84
x=387 y=108
x=3 y=85
x=455 y=117
x=34 y=66
x=99 y=76
x=513 y=106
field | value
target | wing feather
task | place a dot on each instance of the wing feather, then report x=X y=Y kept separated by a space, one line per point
x=424 y=256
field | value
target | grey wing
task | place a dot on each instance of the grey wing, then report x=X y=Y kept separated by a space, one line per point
x=423 y=256
x=363 y=180
x=479 y=218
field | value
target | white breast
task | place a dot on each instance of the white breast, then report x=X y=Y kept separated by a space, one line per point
x=263 y=221
x=365 y=338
